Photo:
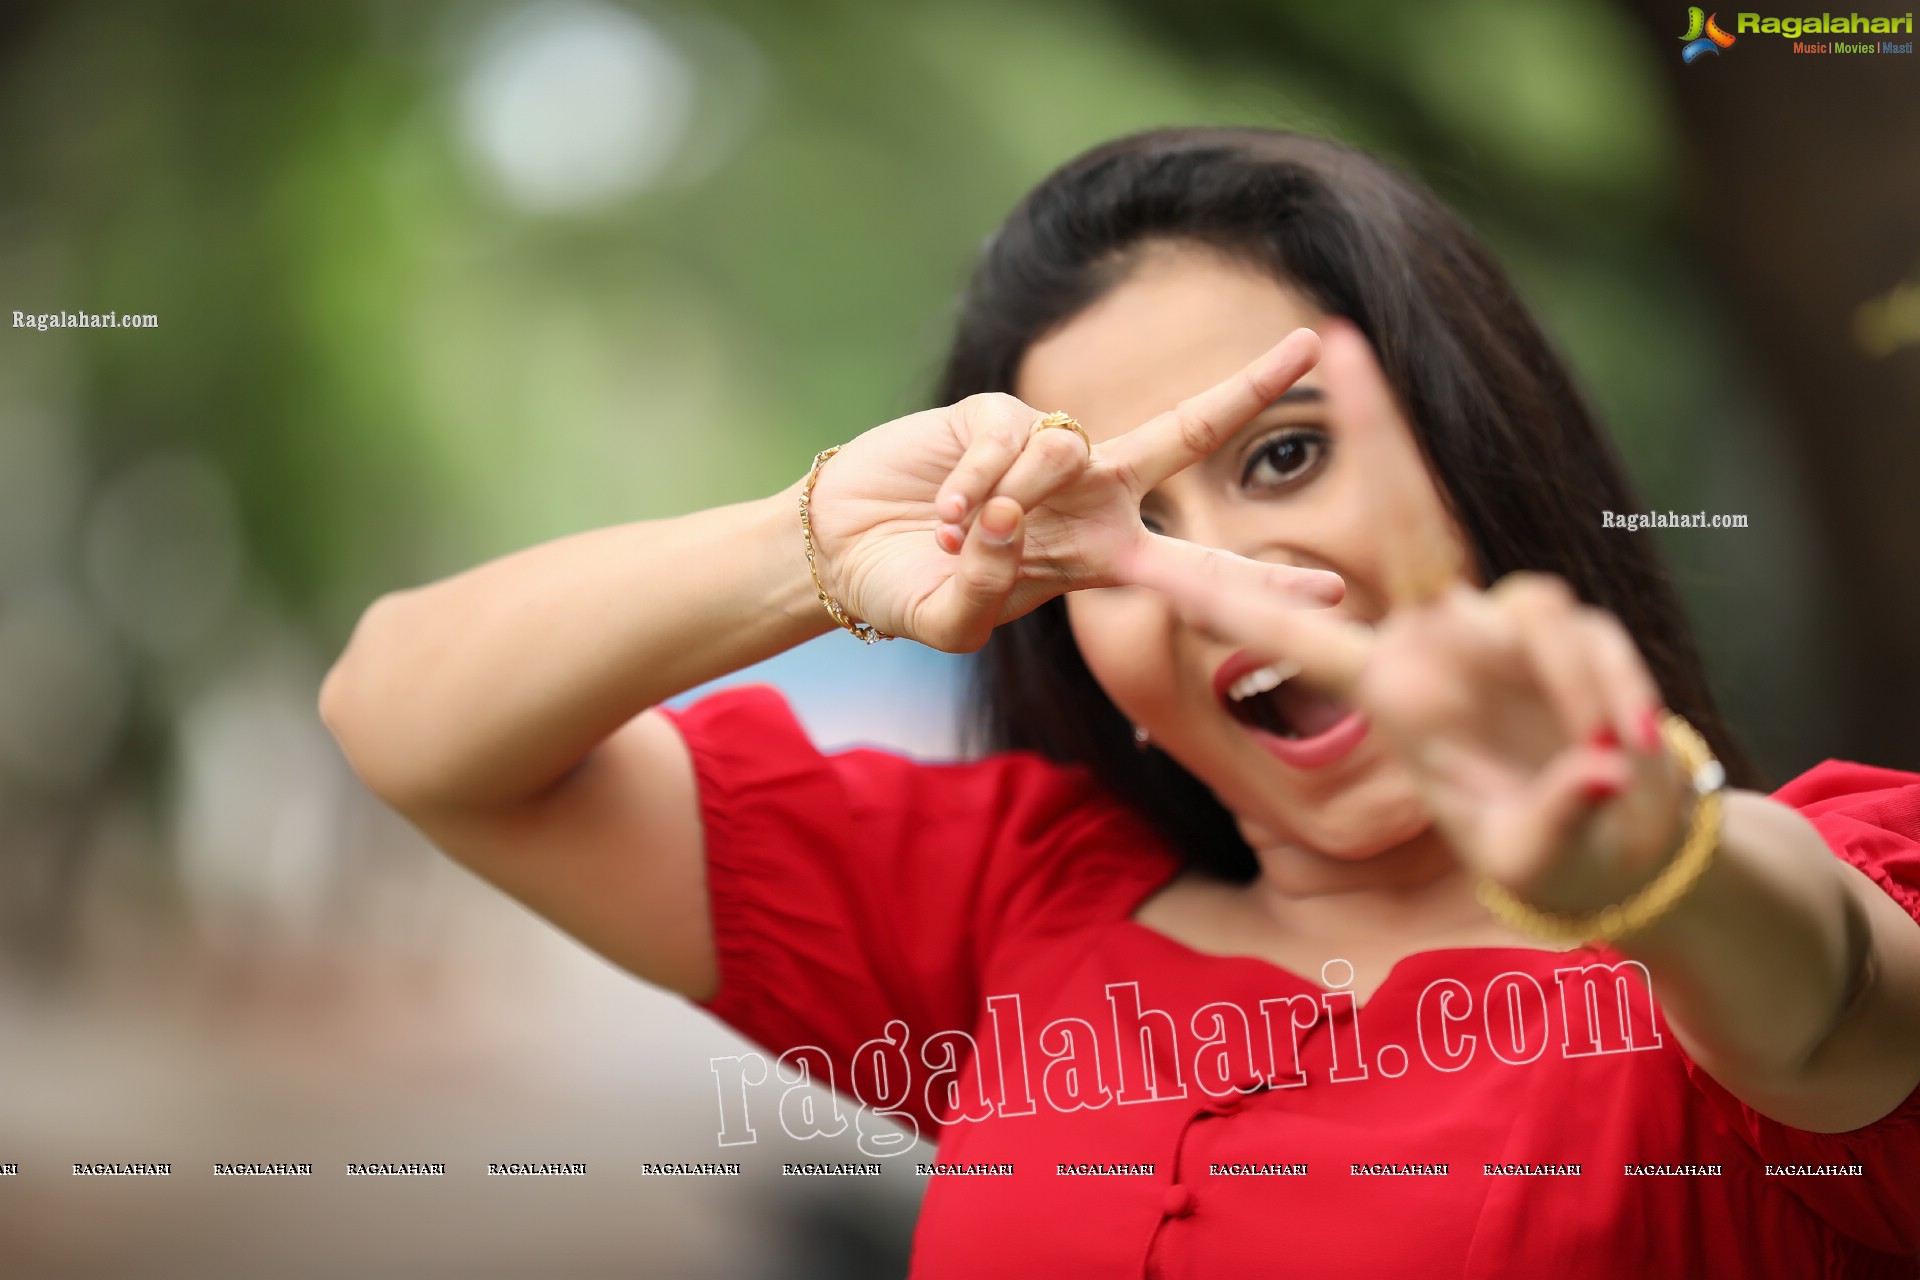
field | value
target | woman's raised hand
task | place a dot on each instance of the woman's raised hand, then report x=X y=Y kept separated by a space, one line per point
x=1528 y=719
x=943 y=524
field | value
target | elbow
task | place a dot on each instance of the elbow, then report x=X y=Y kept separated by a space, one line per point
x=356 y=711
x=333 y=701
x=336 y=711
x=1856 y=986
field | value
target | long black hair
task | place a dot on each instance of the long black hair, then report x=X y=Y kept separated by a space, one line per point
x=1520 y=459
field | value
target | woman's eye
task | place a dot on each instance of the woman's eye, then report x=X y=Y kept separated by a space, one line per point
x=1283 y=458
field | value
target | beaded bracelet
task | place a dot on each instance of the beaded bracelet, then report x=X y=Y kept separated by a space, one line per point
x=866 y=631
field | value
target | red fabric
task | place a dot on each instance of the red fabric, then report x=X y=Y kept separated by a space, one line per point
x=863 y=900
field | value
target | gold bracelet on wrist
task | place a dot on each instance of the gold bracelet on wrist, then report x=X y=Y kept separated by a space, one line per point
x=1658 y=896
x=866 y=631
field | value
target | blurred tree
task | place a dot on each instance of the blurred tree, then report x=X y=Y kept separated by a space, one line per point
x=1805 y=202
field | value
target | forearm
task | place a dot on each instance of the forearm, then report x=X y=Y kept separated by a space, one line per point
x=489 y=686
x=1780 y=970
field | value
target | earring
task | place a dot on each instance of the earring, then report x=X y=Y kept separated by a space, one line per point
x=1139 y=738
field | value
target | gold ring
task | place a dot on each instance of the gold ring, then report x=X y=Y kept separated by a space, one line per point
x=1063 y=420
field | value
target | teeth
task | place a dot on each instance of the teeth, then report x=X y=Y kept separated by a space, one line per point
x=1262 y=679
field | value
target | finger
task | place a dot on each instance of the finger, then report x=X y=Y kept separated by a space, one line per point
x=1421 y=555
x=1554 y=647
x=1442 y=671
x=1521 y=835
x=1468 y=783
x=1050 y=459
x=996 y=428
x=1266 y=607
x=1157 y=559
x=1196 y=426
x=966 y=606
x=1626 y=686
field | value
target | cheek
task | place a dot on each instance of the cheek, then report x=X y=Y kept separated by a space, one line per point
x=1125 y=637
x=1372 y=525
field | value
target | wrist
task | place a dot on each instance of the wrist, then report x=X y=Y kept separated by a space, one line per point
x=787 y=593
x=1641 y=891
x=829 y=598
x=1626 y=841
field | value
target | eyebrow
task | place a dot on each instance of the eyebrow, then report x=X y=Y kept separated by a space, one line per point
x=1298 y=395
x=1291 y=396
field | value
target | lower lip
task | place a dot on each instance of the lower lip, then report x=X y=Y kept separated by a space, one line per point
x=1320 y=750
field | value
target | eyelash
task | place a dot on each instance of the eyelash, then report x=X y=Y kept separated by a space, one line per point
x=1314 y=440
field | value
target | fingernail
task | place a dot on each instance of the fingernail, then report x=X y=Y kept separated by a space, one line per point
x=950 y=536
x=998 y=523
x=1649 y=726
x=1594 y=790
x=1605 y=738
x=953 y=506
x=1329 y=586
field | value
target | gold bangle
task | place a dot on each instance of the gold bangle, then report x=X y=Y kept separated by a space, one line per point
x=1658 y=896
x=866 y=631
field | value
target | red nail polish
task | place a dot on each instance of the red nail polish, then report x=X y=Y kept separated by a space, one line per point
x=1649 y=730
x=1594 y=790
x=1605 y=738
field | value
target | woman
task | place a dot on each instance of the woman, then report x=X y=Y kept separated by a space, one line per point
x=1285 y=686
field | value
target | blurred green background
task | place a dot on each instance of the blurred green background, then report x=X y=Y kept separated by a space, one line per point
x=435 y=281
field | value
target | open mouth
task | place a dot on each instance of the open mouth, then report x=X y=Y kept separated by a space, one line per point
x=1299 y=725
x=1271 y=700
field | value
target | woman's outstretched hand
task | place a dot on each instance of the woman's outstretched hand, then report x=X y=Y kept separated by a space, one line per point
x=943 y=524
x=1528 y=720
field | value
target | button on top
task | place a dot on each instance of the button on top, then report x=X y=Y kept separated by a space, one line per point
x=1236 y=1096
x=1177 y=1201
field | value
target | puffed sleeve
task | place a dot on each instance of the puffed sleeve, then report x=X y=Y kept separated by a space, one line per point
x=1871 y=818
x=857 y=889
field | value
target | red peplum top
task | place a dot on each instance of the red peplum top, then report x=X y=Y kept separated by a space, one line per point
x=952 y=945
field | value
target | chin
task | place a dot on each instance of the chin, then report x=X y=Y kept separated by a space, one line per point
x=1360 y=823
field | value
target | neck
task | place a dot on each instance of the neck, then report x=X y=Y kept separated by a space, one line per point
x=1415 y=890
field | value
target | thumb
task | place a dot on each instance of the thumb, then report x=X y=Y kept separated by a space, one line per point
x=1523 y=839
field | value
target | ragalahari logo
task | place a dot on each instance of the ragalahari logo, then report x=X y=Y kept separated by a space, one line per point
x=1703 y=35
